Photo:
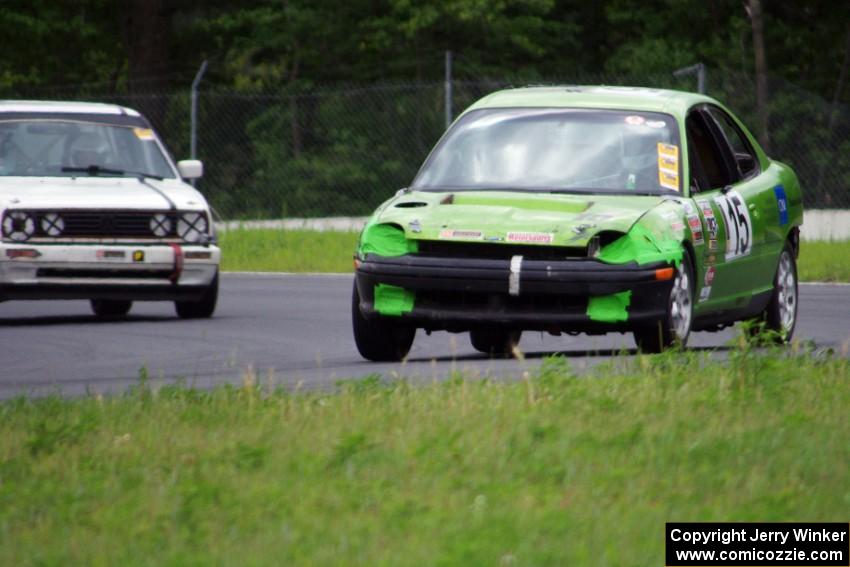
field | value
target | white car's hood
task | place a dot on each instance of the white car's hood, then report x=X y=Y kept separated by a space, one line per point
x=97 y=193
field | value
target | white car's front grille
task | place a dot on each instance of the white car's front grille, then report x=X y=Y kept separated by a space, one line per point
x=72 y=224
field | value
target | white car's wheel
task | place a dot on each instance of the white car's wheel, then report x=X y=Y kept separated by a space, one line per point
x=202 y=308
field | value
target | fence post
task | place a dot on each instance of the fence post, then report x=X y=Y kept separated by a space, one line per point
x=193 y=134
x=448 y=89
x=699 y=70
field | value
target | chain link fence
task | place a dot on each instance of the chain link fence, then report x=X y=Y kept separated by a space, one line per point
x=340 y=150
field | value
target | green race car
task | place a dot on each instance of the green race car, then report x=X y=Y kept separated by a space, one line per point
x=582 y=209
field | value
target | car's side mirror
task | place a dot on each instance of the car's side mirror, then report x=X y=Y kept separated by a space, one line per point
x=746 y=162
x=190 y=168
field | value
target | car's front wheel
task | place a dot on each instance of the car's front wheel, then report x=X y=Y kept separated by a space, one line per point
x=201 y=308
x=110 y=307
x=379 y=339
x=675 y=328
x=495 y=342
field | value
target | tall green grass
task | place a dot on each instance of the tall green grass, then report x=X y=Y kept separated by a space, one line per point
x=268 y=250
x=824 y=261
x=550 y=469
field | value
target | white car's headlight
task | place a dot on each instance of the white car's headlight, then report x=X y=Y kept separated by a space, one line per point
x=192 y=227
x=160 y=225
x=52 y=224
x=18 y=226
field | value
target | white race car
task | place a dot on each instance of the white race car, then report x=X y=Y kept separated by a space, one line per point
x=93 y=207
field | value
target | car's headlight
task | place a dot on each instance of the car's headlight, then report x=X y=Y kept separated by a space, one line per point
x=192 y=227
x=52 y=224
x=18 y=226
x=160 y=225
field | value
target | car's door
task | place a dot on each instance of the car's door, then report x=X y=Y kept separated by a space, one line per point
x=756 y=189
x=727 y=203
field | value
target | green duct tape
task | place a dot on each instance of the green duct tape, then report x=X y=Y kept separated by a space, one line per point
x=609 y=308
x=393 y=300
x=641 y=246
x=386 y=240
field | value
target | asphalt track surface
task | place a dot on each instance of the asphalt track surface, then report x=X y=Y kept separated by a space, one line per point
x=291 y=330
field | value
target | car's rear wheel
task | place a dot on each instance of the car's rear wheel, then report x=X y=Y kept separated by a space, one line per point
x=379 y=339
x=201 y=308
x=495 y=341
x=675 y=328
x=110 y=307
x=780 y=318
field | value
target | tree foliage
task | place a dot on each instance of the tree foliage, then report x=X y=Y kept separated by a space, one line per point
x=287 y=129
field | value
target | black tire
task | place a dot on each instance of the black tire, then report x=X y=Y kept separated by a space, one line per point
x=379 y=339
x=495 y=342
x=672 y=330
x=776 y=325
x=110 y=307
x=201 y=308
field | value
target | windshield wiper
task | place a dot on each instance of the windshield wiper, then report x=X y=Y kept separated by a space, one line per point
x=94 y=169
x=569 y=191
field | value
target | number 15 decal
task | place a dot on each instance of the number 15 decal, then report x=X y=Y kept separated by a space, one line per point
x=739 y=227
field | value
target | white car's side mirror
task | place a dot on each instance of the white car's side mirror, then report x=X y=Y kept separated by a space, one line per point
x=190 y=168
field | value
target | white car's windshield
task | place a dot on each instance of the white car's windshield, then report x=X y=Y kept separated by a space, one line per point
x=569 y=150
x=52 y=148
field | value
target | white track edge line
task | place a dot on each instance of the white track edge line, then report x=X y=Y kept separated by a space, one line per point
x=286 y=274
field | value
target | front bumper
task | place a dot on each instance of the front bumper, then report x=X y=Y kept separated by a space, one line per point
x=106 y=271
x=464 y=293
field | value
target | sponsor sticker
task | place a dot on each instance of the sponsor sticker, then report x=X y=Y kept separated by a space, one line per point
x=709 y=276
x=110 y=254
x=668 y=151
x=710 y=222
x=677 y=226
x=739 y=227
x=689 y=208
x=143 y=133
x=655 y=123
x=668 y=166
x=696 y=229
x=704 y=294
x=635 y=120
x=530 y=237
x=668 y=180
x=462 y=234
x=782 y=204
x=138 y=255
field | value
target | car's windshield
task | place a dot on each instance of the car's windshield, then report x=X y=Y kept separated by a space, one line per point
x=544 y=149
x=38 y=148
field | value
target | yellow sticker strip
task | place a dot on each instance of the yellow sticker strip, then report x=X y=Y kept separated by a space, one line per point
x=143 y=133
x=668 y=166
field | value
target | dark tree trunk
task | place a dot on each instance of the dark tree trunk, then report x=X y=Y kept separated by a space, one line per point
x=146 y=31
x=833 y=111
x=756 y=19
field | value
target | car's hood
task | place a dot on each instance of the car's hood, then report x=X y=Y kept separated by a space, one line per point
x=568 y=220
x=97 y=193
